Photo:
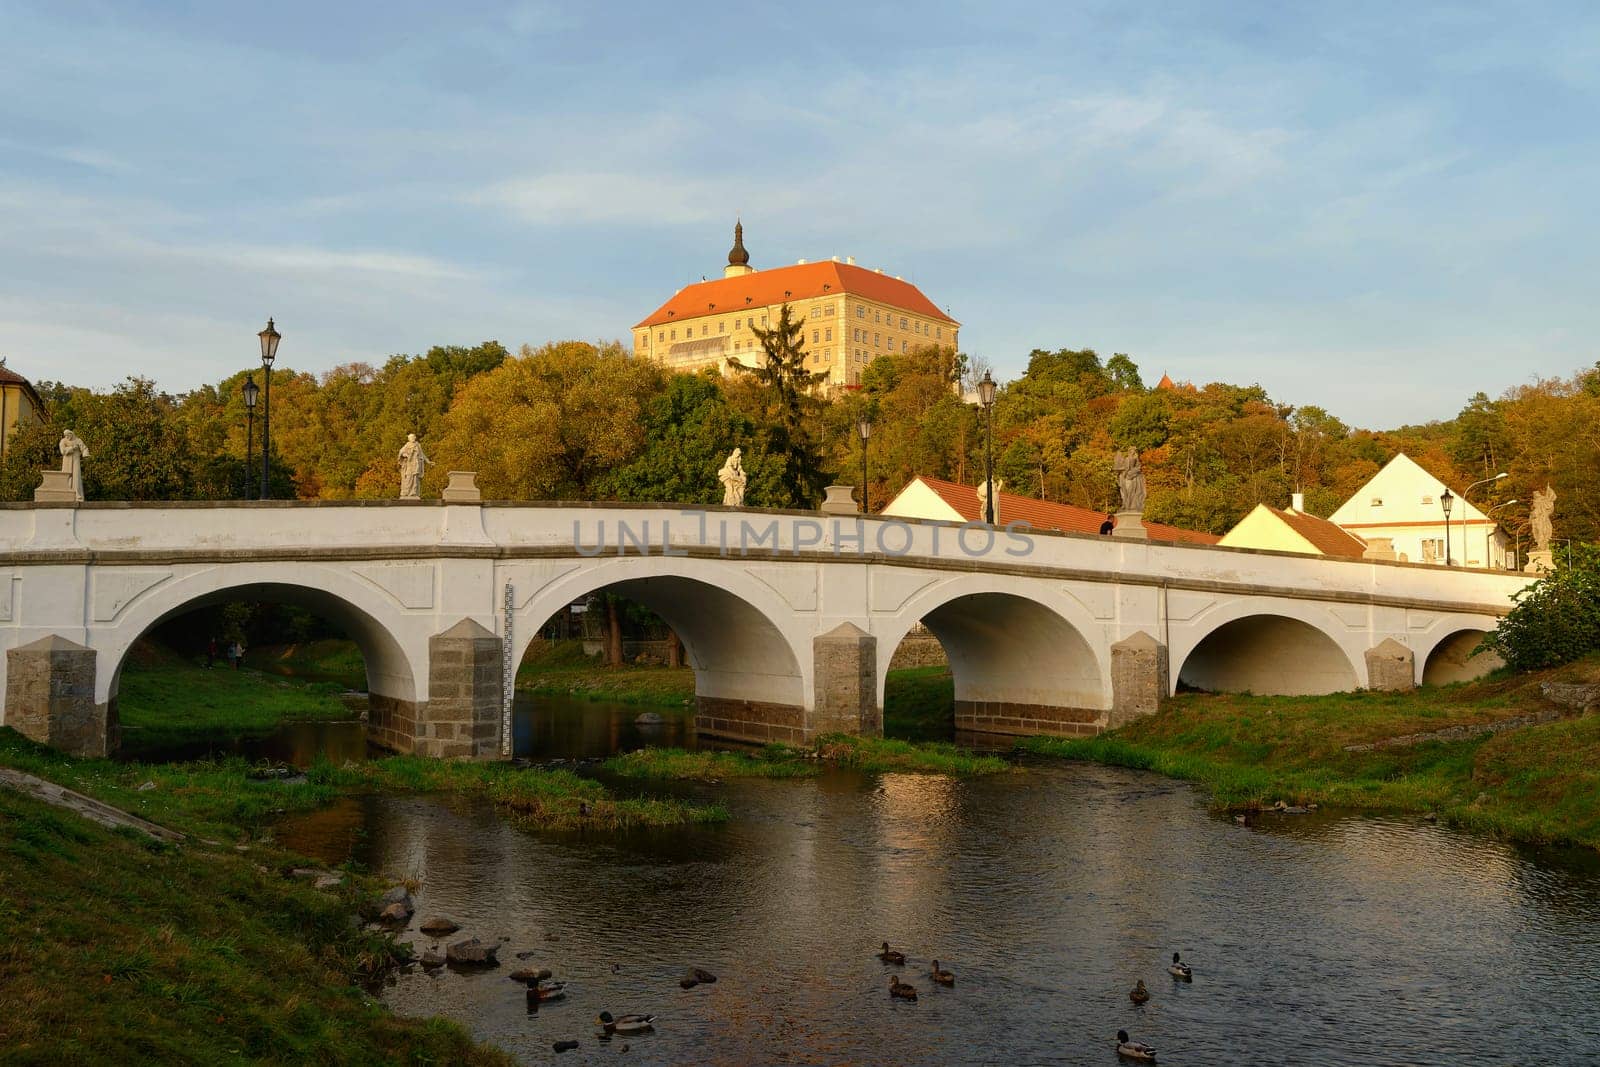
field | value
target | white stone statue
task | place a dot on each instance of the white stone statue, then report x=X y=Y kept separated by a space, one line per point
x=733 y=480
x=1130 y=480
x=1539 y=514
x=983 y=499
x=413 y=461
x=73 y=453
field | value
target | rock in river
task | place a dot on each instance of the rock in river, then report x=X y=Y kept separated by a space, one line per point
x=438 y=926
x=473 y=953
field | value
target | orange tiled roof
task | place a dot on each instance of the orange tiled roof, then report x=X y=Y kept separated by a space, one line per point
x=1328 y=538
x=1166 y=382
x=801 y=281
x=1044 y=515
x=11 y=377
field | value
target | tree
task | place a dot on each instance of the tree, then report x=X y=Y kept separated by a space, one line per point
x=786 y=435
x=1124 y=372
x=688 y=431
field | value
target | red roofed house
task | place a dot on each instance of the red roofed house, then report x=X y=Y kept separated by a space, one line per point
x=1292 y=530
x=933 y=498
x=851 y=315
x=19 y=405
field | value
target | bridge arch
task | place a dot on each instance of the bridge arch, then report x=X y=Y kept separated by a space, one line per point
x=751 y=665
x=1447 y=657
x=1021 y=663
x=367 y=616
x=1269 y=649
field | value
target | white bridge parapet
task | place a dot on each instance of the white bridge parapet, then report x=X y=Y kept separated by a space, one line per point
x=789 y=619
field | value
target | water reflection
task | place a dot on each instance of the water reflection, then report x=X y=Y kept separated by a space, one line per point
x=1321 y=939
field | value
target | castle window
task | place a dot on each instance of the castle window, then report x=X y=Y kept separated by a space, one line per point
x=704 y=330
x=877 y=316
x=722 y=327
x=674 y=334
x=938 y=331
x=814 y=337
x=861 y=311
x=828 y=334
x=661 y=335
x=902 y=322
x=816 y=313
x=875 y=338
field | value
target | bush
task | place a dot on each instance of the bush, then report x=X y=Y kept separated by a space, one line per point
x=1557 y=619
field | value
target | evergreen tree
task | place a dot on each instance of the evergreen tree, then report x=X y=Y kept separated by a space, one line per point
x=787 y=438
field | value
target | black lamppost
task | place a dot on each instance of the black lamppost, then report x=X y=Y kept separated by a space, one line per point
x=251 y=391
x=1445 y=500
x=269 y=352
x=986 y=394
x=864 y=428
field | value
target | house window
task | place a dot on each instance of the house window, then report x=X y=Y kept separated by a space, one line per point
x=1433 y=550
x=1377 y=501
x=1427 y=500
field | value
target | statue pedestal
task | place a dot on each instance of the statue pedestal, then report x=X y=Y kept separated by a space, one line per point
x=840 y=500
x=1540 y=561
x=463 y=488
x=57 y=488
x=1130 y=526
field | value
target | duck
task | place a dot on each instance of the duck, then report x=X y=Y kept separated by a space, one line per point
x=539 y=993
x=1180 y=970
x=1129 y=1049
x=1139 y=994
x=889 y=955
x=899 y=990
x=625 y=1024
x=940 y=976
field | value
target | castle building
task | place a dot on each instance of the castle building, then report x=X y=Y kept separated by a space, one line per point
x=851 y=314
x=19 y=405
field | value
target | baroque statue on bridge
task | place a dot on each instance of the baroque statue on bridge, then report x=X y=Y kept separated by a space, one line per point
x=1130 y=480
x=1539 y=515
x=733 y=480
x=413 y=461
x=73 y=453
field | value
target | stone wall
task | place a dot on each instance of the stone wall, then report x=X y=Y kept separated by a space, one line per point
x=1005 y=717
x=918 y=650
x=749 y=720
x=50 y=697
x=391 y=722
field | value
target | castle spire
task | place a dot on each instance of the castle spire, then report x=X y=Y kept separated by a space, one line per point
x=738 y=258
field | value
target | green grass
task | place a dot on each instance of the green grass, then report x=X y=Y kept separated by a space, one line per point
x=1536 y=784
x=919 y=703
x=330 y=659
x=871 y=754
x=560 y=668
x=165 y=699
x=121 y=951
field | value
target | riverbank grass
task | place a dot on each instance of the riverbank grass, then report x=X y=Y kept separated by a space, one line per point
x=1537 y=783
x=122 y=949
x=919 y=703
x=165 y=699
x=869 y=754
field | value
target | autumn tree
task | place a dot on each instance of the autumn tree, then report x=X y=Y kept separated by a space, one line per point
x=787 y=430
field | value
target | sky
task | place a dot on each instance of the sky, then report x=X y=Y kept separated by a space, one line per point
x=1376 y=208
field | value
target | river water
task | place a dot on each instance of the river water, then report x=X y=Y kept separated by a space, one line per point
x=1320 y=939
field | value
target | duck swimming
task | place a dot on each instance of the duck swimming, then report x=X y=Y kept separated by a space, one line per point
x=941 y=977
x=899 y=990
x=1180 y=970
x=1134 y=1050
x=889 y=955
x=1139 y=993
x=624 y=1024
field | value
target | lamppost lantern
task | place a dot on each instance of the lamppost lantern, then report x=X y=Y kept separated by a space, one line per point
x=251 y=391
x=986 y=389
x=864 y=427
x=1445 y=500
x=986 y=394
x=269 y=344
x=269 y=352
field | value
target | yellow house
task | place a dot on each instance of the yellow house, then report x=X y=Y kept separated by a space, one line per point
x=1272 y=529
x=19 y=405
x=851 y=314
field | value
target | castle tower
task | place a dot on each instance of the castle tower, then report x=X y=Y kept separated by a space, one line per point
x=738 y=258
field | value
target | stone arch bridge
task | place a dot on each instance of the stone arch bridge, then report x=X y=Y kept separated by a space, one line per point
x=788 y=619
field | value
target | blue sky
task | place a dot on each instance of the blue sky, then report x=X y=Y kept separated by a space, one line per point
x=1377 y=208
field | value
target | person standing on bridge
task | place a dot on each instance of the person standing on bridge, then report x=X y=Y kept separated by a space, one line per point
x=413 y=461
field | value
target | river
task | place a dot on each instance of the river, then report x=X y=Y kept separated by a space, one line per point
x=1320 y=939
